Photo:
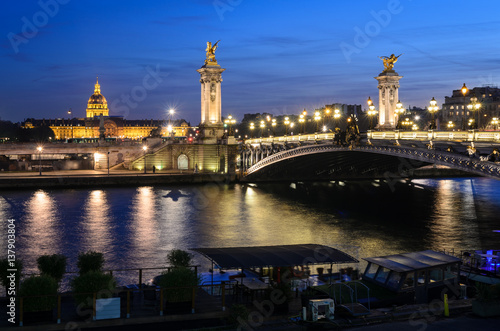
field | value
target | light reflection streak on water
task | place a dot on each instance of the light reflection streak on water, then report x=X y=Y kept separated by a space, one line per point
x=454 y=222
x=41 y=235
x=97 y=223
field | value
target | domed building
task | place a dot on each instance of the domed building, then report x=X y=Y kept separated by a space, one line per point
x=97 y=104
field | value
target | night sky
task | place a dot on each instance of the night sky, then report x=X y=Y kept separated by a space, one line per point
x=280 y=56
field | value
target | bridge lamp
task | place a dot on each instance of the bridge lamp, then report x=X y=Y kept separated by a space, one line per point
x=273 y=124
x=252 y=126
x=433 y=108
x=302 y=121
x=464 y=90
x=336 y=116
x=40 y=150
x=450 y=125
x=262 y=126
x=286 y=122
x=494 y=123
x=399 y=111
x=144 y=148
x=371 y=112
x=328 y=111
x=474 y=106
x=317 y=118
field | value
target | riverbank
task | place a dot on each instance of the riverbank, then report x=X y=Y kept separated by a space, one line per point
x=96 y=178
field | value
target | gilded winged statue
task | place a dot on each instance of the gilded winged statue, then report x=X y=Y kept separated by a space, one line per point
x=389 y=61
x=211 y=53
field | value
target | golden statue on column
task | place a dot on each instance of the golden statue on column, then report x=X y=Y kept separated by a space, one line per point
x=210 y=60
x=389 y=61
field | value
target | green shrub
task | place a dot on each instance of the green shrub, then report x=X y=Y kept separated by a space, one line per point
x=52 y=265
x=90 y=261
x=179 y=277
x=179 y=258
x=39 y=285
x=4 y=265
x=93 y=282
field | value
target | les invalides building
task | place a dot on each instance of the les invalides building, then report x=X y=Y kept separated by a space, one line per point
x=112 y=126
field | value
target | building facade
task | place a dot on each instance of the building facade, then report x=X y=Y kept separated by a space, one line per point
x=458 y=113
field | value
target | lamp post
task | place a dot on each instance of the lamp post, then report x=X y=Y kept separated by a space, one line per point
x=317 y=118
x=464 y=90
x=286 y=122
x=40 y=149
x=252 y=127
x=273 y=124
x=433 y=108
x=336 y=117
x=69 y=113
x=407 y=123
x=144 y=148
x=262 y=126
x=230 y=121
x=301 y=121
x=371 y=111
x=494 y=122
x=450 y=125
x=328 y=111
x=474 y=106
x=399 y=111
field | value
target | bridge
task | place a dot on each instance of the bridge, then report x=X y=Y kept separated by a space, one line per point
x=317 y=157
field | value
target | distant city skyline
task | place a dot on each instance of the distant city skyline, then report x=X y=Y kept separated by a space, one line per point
x=280 y=57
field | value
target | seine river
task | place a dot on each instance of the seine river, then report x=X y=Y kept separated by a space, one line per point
x=136 y=227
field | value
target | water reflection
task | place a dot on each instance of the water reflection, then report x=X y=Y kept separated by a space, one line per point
x=454 y=222
x=40 y=232
x=97 y=223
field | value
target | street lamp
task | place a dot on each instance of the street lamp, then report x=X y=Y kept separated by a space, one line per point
x=40 y=149
x=230 y=121
x=317 y=117
x=464 y=90
x=371 y=111
x=144 y=148
x=336 y=116
x=433 y=108
x=262 y=126
x=302 y=121
x=474 y=106
x=327 y=115
x=273 y=124
x=399 y=111
x=450 y=125
x=252 y=126
x=407 y=123
x=69 y=113
x=494 y=122
x=286 y=122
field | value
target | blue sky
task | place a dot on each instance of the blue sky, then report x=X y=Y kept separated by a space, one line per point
x=280 y=56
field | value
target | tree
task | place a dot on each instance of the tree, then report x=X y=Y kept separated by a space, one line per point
x=90 y=261
x=179 y=258
x=52 y=265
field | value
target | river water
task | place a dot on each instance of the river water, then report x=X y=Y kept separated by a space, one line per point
x=136 y=227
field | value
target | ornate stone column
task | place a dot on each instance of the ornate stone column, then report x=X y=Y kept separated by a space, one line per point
x=388 y=85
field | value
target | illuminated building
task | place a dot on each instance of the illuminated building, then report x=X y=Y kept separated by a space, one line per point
x=114 y=126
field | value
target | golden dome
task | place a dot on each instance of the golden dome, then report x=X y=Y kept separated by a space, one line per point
x=97 y=104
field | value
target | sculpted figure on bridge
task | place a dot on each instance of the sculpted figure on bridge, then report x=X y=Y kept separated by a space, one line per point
x=210 y=60
x=389 y=61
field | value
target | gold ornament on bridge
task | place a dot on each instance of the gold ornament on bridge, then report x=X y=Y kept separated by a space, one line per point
x=210 y=60
x=389 y=61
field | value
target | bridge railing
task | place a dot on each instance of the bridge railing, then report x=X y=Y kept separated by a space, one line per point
x=471 y=135
x=294 y=138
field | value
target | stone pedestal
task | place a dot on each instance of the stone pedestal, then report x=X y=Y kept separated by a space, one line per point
x=388 y=85
x=211 y=125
